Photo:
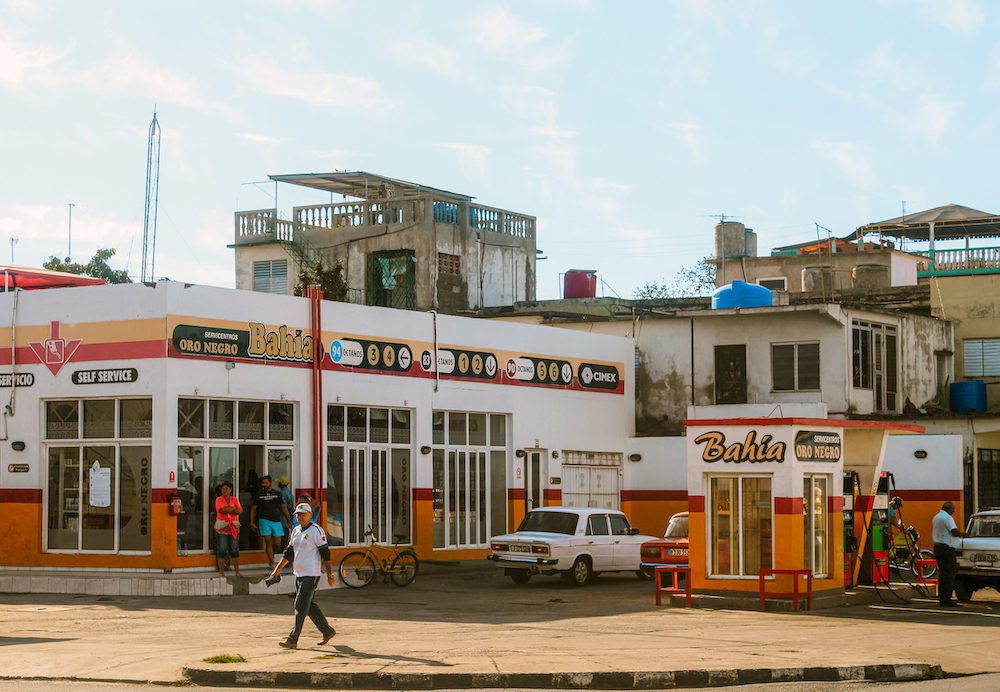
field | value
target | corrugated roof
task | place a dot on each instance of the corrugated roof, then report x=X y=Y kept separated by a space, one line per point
x=950 y=222
x=363 y=185
x=30 y=278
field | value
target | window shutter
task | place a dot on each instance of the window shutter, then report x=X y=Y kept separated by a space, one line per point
x=271 y=276
x=808 y=366
x=973 y=357
x=783 y=367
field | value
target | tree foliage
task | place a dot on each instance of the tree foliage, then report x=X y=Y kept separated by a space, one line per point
x=689 y=282
x=329 y=280
x=97 y=267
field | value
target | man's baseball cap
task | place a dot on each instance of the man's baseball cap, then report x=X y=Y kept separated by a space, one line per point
x=303 y=508
x=283 y=480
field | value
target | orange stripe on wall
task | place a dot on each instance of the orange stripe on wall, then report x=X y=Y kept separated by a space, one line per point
x=654 y=495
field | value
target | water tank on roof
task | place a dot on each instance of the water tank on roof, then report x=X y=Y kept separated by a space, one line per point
x=967 y=396
x=734 y=240
x=871 y=276
x=580 y=283
x=740 y=294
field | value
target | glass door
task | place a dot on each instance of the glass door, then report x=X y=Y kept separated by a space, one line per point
x=191 y=527
x=532 y=480
x=368 y=493
x=221 y=468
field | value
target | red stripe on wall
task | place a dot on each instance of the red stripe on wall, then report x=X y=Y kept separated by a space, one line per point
x=515 y=494
x=163 y=494
x=696 y=503
x=654 y=495
x=554 y=494
x=23 y=495
x=123 y=350
x=835 y=503
x=423 y=494
x=788 y=505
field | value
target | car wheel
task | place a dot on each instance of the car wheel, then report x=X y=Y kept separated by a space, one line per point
x=963 y=592
x=644 y=574
x=580 y=573
x=520 y=576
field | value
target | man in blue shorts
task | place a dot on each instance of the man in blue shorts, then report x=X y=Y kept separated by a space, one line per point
x=265 y=517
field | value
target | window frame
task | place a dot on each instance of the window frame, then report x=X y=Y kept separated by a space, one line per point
x=739 y=503
x=796 y=363
x=988 y=357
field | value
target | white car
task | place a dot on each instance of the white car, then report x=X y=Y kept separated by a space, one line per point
x=979 y=555
x=574 y=542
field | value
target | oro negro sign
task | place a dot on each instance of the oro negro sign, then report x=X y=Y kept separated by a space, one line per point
x=817 y=446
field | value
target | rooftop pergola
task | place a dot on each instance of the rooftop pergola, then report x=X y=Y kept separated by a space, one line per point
x=363 y=185
x=950 y=222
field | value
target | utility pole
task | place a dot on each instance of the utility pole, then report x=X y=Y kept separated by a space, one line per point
x=69 y=249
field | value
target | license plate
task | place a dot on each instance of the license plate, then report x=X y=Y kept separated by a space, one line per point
x=677 y=551
x=520 y=549
x=987 y=558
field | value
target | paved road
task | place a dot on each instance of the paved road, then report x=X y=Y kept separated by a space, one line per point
x=467 y=618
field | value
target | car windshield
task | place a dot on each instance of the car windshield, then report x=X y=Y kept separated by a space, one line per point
x=677 y=528
x=550 y=522
x=987 y=526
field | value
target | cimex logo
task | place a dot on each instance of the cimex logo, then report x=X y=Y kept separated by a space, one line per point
x=55 y=351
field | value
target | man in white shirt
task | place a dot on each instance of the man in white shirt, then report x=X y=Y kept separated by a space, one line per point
x=307 y=548
x=946 y=534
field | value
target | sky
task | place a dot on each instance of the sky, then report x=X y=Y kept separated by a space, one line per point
x=625 y=127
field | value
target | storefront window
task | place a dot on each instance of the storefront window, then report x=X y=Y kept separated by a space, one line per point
x=437 y=425
x=99 y=496
x=379 y=426
x=220 y=420
x=335 y=423
x=136 y=418
x=251 y=421
x=741 y=525
x=470 y=480
x=279 y=421
x=400 y=427
x=814 y=523
x=357 y=424
x=498 y=431
x=191 y=490
x=190 y=418
x=335 y=494
x=62 y=420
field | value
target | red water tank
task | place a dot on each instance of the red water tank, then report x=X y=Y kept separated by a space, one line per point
x=580 y=283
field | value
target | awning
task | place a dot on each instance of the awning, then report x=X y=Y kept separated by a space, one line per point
x=363 y=185
x=31 y=278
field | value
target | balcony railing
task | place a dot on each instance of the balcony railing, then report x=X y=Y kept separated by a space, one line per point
x=263 y=225
x=981 y=260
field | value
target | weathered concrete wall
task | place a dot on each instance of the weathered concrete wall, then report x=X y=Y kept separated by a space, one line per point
x=902 y=268
x=972 y=303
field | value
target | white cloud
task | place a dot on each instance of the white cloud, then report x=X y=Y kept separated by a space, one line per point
x=962 y=16
x=318 y=88
x=21 y=62
x=433 y=56
x=474 y=159
x=853 y=161
x=691 y=133
x=501 y=33
x=43 y=231
x=251 y=137
x=882 y=67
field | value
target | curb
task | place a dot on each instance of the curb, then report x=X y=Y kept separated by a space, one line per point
x=618 y=680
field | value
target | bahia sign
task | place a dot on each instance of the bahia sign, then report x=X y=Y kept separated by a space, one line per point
x=749 y=450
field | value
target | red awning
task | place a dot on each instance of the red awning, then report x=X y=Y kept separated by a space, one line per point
x=30 y=278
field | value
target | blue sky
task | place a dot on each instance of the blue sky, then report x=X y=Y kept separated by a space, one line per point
x=622 y=126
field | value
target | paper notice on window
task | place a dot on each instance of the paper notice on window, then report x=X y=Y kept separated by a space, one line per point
x=186 y=464
x=100 y=486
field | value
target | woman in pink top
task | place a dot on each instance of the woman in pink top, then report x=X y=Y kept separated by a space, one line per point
x=227 y=539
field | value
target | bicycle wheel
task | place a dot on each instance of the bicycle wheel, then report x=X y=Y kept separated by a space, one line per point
x=357 y=570
x=404 y=568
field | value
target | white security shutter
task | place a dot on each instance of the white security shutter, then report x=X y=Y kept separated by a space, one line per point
x=271 y=276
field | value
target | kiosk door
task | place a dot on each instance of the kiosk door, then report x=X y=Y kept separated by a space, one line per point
x=532 y=480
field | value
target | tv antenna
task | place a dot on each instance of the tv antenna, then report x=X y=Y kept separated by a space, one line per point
x=723 y=217
x=13 y=242
x=152 y=198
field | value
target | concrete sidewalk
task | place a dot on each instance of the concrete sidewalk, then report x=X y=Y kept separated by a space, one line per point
x=464 y=625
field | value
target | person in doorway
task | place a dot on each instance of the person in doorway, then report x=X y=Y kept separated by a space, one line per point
x=227 y=529
x=946 y=535
x=289 y=500
x=312 y=502
x=307 y=548
x=265 y=517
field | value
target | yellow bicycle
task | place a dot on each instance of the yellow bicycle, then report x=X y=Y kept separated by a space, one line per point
x=357 y=569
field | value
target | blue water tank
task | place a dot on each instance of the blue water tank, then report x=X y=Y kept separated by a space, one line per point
x=967 y=396
x=740 y=294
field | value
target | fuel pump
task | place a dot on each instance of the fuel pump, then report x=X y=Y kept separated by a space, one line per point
x=881 y=531
x=851 y=482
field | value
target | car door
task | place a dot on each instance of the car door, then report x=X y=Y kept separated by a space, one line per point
x=626 y=546
x=600 y=542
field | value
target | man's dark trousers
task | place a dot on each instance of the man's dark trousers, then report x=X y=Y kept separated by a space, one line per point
x=305 y=589
x=947 y=568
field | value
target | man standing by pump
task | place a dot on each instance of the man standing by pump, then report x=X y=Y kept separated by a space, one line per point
x=307 y=548
x=946 y=535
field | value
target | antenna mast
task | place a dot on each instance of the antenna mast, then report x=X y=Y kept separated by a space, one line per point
x=152 y=197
